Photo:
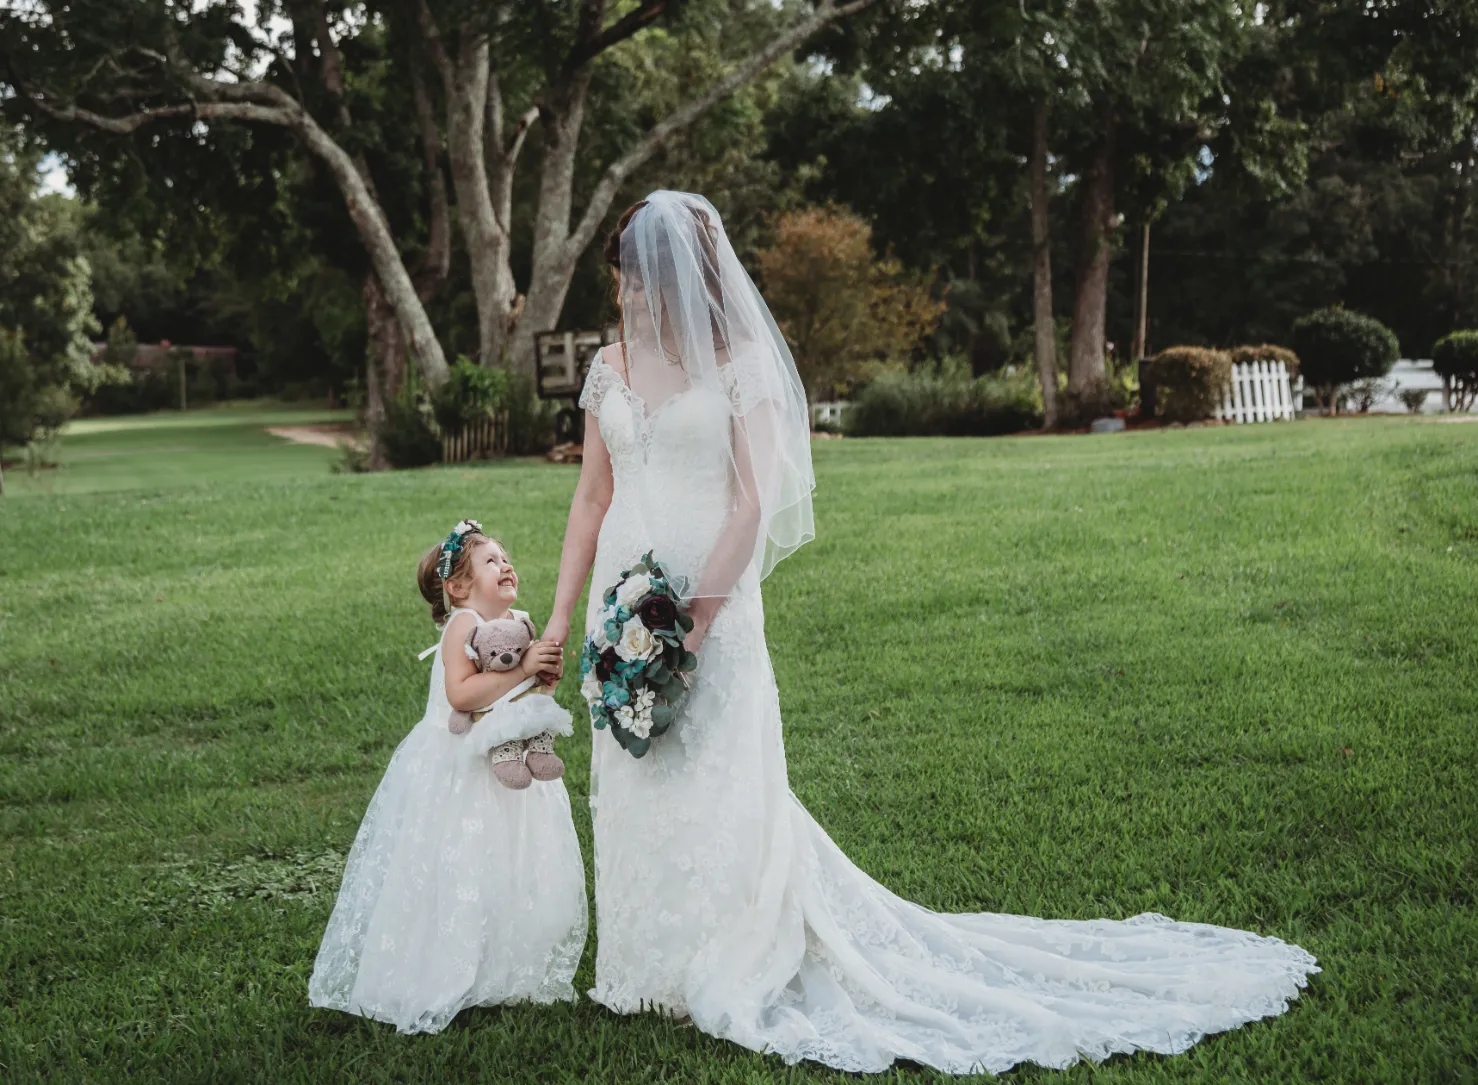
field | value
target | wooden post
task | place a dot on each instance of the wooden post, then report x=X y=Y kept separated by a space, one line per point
x=181 y=356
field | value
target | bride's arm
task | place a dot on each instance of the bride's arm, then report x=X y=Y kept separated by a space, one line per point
x=734 y=551
x=587 y=511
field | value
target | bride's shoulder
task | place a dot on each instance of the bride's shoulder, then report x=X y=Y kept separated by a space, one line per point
x=599 y=379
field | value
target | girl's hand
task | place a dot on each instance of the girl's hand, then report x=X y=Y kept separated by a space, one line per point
x=542 y=656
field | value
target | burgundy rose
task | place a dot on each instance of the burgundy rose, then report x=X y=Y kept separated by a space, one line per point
x=606 y=664
x=658 y=612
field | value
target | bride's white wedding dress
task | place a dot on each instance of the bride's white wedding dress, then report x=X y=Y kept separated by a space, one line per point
x=717 y=894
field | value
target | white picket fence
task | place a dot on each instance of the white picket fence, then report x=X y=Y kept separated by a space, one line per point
x=830 y=412
x=1259 y=392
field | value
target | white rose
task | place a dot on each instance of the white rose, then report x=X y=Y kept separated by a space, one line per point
x=636 y=641
x=640 y=726
x=591 y=689
x=634 y=590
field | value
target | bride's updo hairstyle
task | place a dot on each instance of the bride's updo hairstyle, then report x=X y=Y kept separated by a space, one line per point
x=442 y=594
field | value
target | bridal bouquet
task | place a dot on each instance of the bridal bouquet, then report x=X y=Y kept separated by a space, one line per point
x=633 y=666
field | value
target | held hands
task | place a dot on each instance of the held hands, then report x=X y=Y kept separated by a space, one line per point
x=544 y=658
x=556 y=633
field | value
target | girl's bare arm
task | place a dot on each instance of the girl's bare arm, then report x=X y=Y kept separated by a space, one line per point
x=466 y=688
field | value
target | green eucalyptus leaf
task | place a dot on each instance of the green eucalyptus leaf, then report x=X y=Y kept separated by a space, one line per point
x=638 y=747
x=662 y=715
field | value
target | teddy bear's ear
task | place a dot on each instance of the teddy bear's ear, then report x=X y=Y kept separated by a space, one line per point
x=529 y=625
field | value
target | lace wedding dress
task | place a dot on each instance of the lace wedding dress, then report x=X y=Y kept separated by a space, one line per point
x=718 y=895
x=458 y=891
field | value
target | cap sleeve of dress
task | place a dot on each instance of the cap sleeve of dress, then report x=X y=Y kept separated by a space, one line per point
x=598 y=381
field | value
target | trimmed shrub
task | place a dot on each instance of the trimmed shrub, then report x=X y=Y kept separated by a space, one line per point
x=1337 y=347
x=945 y=401
x=1188 y=382
x=1455 y=358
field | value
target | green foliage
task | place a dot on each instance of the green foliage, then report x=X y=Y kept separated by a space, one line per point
x=530 y=419
x=1414 y=399
x=407 y=433
x=1189 y=382
x=1339 y=346
x=472 y=393
x=1455 y=358
x=45 y=302
x=944 y=400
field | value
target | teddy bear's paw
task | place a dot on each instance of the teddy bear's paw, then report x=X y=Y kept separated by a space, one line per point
x=544 y=766
x=513 y=774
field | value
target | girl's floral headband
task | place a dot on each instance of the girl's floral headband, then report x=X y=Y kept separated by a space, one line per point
x=452 y=548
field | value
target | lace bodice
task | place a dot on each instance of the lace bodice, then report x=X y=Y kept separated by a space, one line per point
x=670 y=466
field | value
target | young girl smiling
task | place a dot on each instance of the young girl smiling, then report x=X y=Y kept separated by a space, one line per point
x=459 y=891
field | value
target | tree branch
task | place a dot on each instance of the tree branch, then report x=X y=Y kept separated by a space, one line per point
x=437 y=260
x=434 y=43
x=520 y=133
x=119 y=126
x=588 y=47
x=827 y=12
x=132 y=122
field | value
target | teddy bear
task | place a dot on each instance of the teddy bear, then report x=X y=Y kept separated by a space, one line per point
x=517 y=731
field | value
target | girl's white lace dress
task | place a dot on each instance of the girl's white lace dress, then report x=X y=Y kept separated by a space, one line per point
x=717 y=893
x=458 y=891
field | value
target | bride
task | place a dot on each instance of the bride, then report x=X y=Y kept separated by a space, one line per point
x=717 y=895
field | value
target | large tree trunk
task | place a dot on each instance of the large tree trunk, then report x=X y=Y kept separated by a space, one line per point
x=1087 y=382
x=1046 y=338
x=383 y=365
x=467 y=84
x=555 y=256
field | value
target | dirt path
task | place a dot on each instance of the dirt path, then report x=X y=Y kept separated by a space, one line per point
x=329 y=436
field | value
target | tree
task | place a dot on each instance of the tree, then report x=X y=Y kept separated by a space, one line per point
x=844 y=312
x=503 y=68
x=1105 y=110
x=1455 y=360
x=1337 y=346
x=45 y=303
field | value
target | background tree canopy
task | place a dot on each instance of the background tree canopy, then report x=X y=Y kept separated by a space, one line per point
x=1276 y=159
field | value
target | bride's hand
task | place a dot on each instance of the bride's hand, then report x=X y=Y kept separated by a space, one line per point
x=558 y=630
x=702 y=616
x=694 y=640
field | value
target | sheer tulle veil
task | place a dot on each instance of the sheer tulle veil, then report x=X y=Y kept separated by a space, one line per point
x=694 y=322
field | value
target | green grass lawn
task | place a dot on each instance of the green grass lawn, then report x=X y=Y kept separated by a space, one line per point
x=213 y=447
x=1229 y=675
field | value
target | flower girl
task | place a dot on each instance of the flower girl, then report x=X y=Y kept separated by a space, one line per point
x=458 y=891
